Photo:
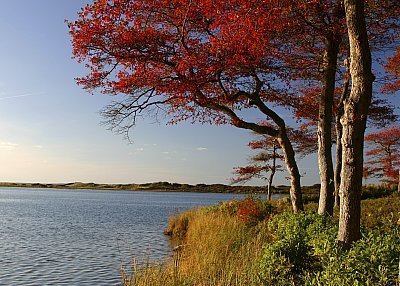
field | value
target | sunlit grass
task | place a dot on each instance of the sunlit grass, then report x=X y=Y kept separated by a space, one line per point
x=216 y=246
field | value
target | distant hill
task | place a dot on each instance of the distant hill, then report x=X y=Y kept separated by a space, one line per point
x=158 y=186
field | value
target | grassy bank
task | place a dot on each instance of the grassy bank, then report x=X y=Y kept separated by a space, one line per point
x=253 y=242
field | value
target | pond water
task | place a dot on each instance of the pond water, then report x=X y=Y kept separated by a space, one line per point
x=81 y=237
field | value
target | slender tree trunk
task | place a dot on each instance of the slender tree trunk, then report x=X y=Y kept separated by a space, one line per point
x=273 y=170
x=326 y=198
x=269 y=186
x=338 y=126
x=338 y=166
x=398 y=189
x=354 y=123
x=295 y=187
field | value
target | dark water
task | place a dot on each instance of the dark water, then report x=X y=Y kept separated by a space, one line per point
x=81 y=237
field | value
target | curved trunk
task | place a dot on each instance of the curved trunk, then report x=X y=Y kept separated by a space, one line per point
x=295 y=188
x=280 y=134
x=273 y=170
x=325 y=164
x=354 y=123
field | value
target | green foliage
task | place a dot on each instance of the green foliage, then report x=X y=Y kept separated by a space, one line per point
x=377 y=191
x=304 y=252
x=298 y=240
x=383 y=212
x=373 y=260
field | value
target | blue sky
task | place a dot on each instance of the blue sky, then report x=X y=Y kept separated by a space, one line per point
x=49 y=127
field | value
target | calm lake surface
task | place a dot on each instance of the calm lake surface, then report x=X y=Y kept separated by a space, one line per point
x=81 y=237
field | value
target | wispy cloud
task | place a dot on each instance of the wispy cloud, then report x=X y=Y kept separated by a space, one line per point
x=201 y=149
x=139 y=149
x=8 y=145
x=19 y=95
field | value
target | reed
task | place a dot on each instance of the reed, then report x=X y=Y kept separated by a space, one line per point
x=217 y=249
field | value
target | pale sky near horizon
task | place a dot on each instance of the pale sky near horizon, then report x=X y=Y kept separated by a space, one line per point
x=49 y=126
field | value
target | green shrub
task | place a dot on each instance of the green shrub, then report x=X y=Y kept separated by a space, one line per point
x=304 y=252
x=298 y=240
x=373 y=260
x=377 y=191
x=381 y=212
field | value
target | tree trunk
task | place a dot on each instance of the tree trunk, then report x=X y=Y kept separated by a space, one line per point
x=398 y=189
x=269 y=186
x=326 y=199
x=273 y=170
x=280 y=134
x=338 y=126
x=338 y=166
x=354 y=123
x=295 y=187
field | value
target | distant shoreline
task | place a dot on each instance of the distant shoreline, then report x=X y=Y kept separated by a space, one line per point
x=158 y=186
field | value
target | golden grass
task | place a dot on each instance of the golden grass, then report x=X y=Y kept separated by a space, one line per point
x=218 y=249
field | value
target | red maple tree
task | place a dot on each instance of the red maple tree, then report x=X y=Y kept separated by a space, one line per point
x=203 y=61
x=384 y=155
x=208 y=61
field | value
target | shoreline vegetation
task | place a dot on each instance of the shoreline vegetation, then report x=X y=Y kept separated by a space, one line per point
x=156 y=186
x=310 y=193
x=253 y=241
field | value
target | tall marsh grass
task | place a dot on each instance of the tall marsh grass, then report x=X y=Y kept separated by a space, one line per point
x=232 y=244
x=217 y=249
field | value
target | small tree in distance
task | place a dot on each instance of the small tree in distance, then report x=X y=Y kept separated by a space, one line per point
x=384 y=155
x=263 y=165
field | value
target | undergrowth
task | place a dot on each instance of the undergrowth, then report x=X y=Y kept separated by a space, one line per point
x=256 y=242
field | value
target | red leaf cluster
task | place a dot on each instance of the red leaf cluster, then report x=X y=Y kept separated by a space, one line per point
x=384 y=155
x=250 y=212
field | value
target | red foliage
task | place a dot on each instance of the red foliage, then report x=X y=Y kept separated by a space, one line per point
x=250 y=212
x=384 y=155
x=189 y=54
x=177 y=48
x=393 y=67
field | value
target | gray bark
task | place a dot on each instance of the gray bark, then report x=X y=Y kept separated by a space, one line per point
x=295 y=189
x=354 y=123
x=338 y=126
x=338 y=166
x=326 y=198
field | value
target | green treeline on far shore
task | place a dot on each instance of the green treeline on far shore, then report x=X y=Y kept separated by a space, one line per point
x=310 y=193
x=157 y=186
